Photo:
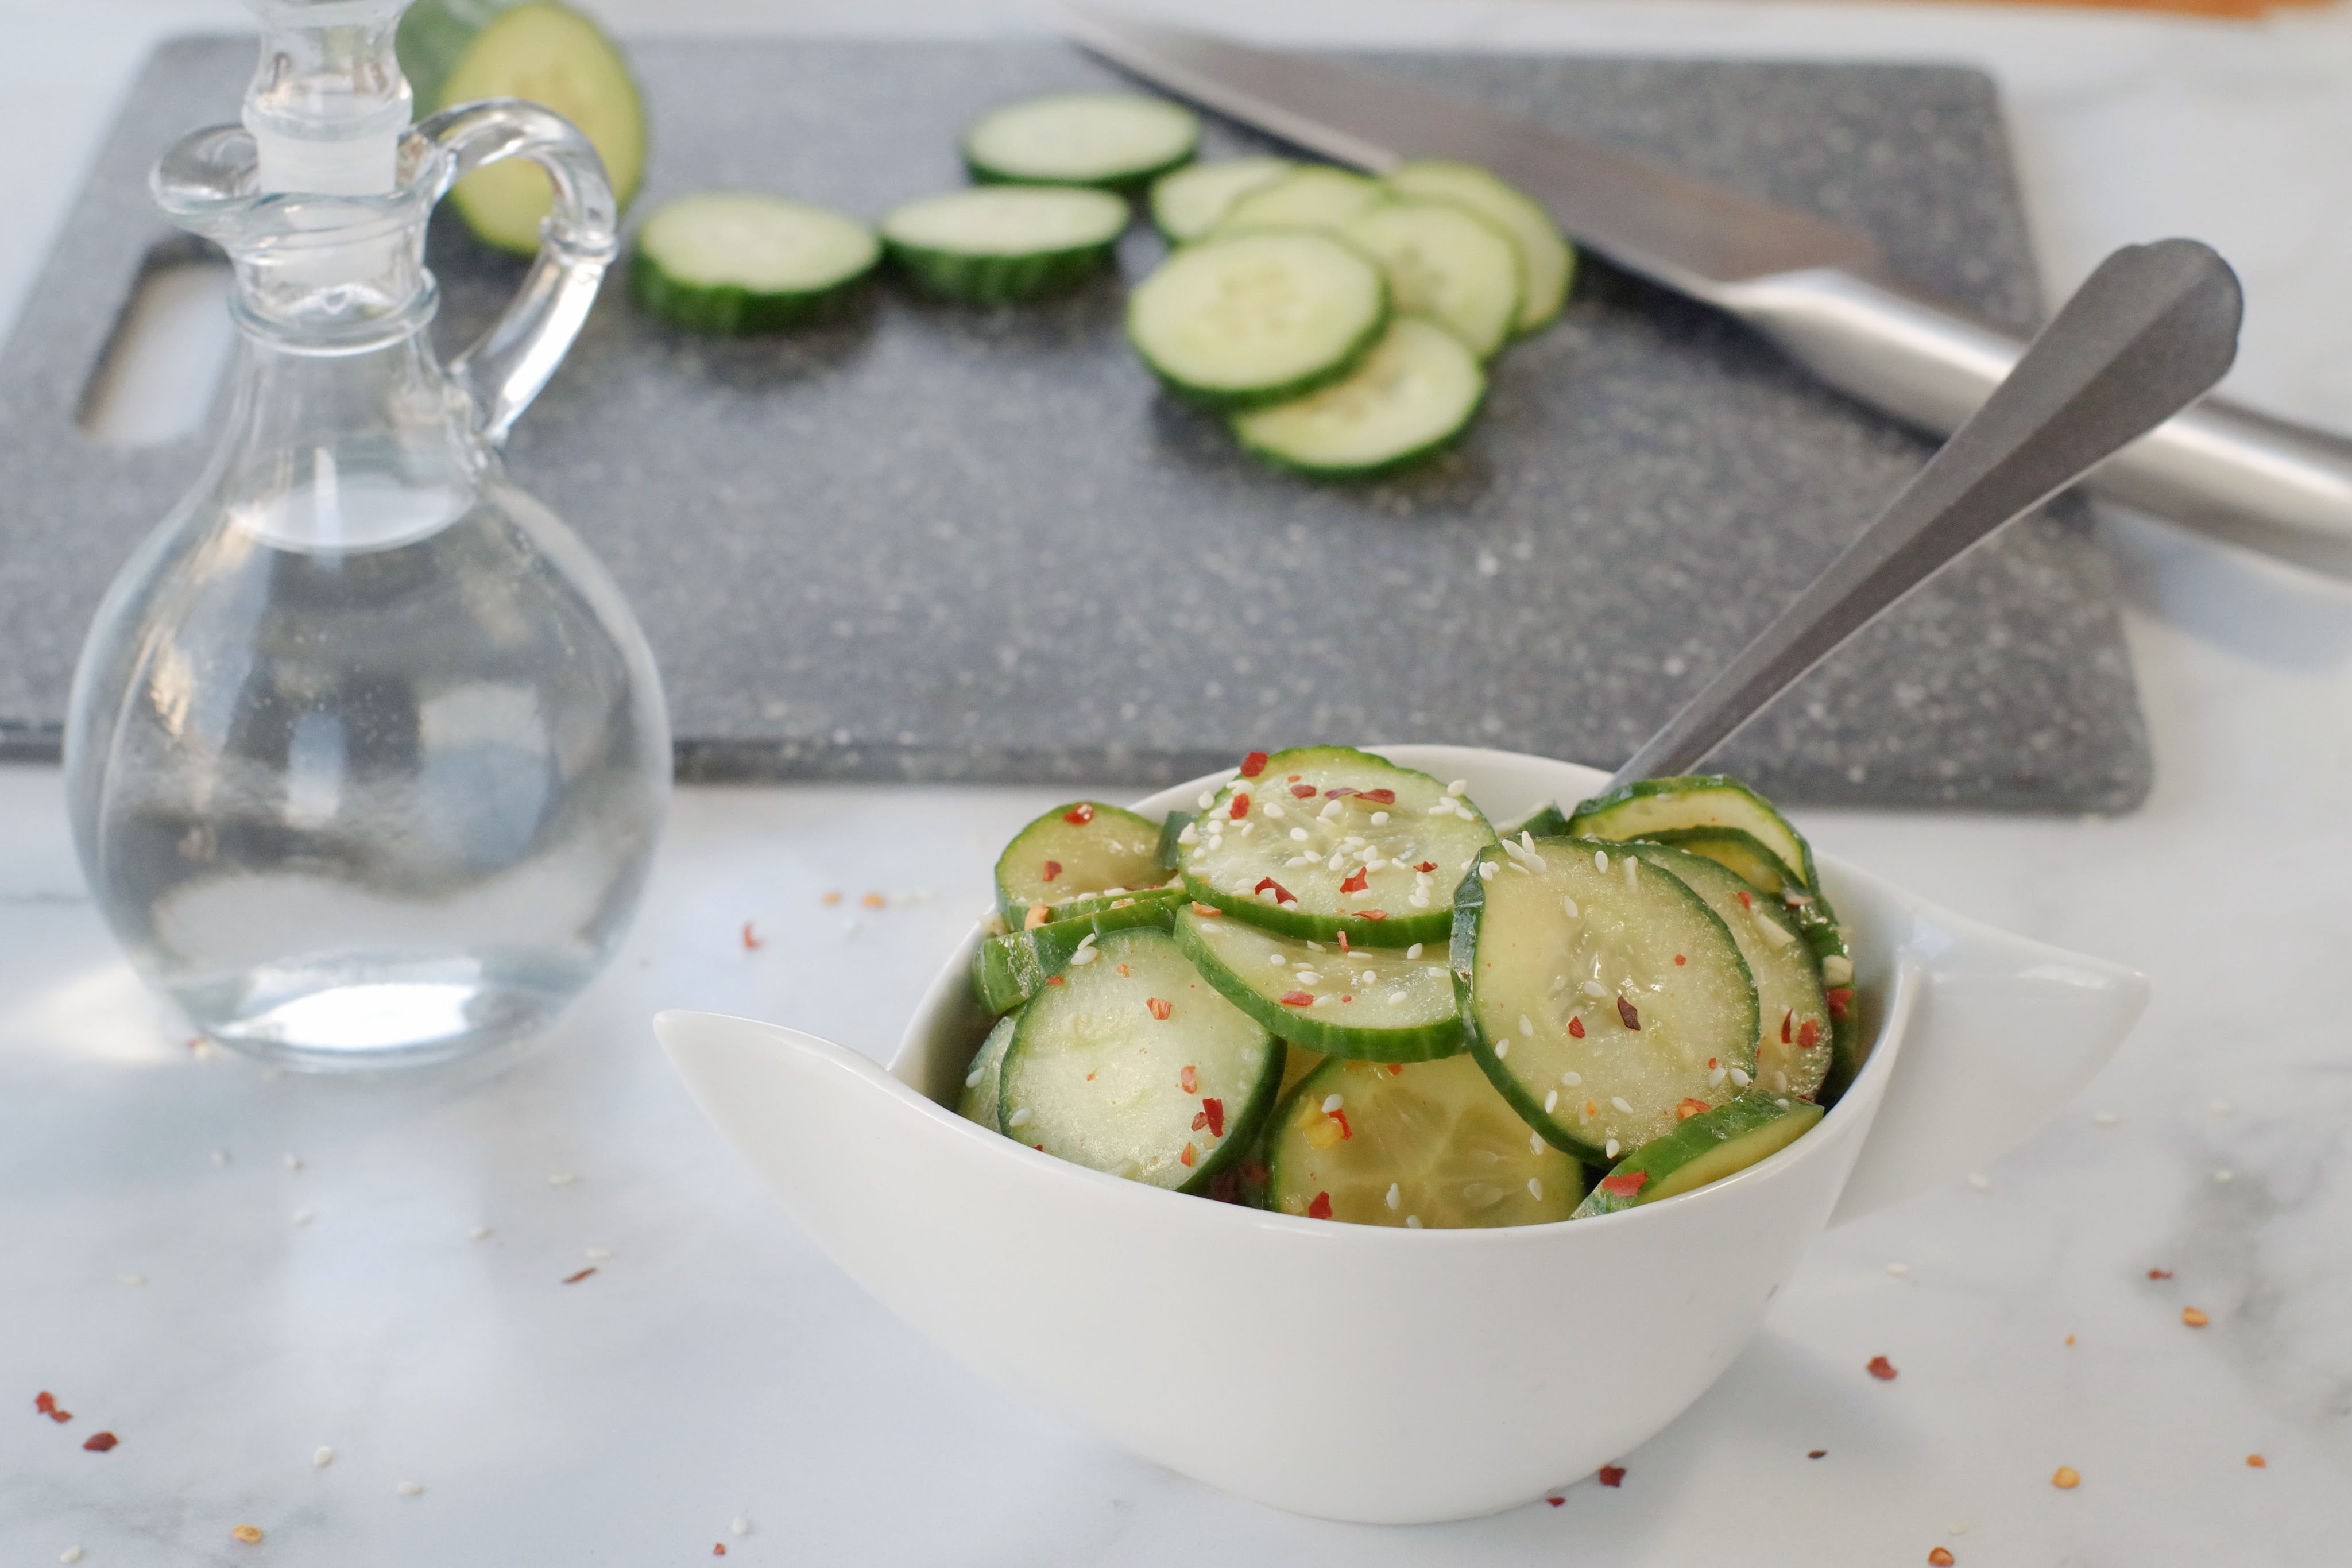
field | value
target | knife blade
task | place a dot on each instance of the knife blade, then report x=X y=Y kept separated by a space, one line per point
x=1823 y=291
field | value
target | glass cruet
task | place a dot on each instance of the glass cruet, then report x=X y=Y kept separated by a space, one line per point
x=366 y=755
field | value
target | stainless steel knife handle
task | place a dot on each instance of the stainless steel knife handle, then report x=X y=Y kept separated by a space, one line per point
x=2266 y=483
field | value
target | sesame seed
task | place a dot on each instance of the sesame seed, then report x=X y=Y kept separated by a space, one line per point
x=2221 y=1107
x=972 y=1078
x=293 y=1162
x=1837 y=969
x=323 y=1457
x=1980 y=1182
x=1899 y=1270
x=1308 y=976
x=1780 y=1083
x=220 y=1157
x=479 y=1233
x=70 y=1554
x=1535 y=1188
x=1502 y=1049
x=1330 y=811
x=300 y=1217
x=1740 y=1077
x=1019 y=1118
x=1527 y=1026
x=740 y=1525
x=1595 y=988
x=1333 y=1103
x=1486 y=870
x=1413 y=951
x=1572 y=1078
x=1534 y=1142
x=1208 y=799
x=1413 y=1222
x=132 y=1279
x=1630 y=865
x=1419 y=901
x=1273 y=809
x=2225 y=1175
x=1568 y=907
x=1298 y=834
x=2105 y=1118
x=1458 y=788
x=600 y=1254
x=1601 y=859
x=410 y=1488
x=1396 y=1196
x=1619 y=1101
x=561 y=1178
x=1379 y=818
x=1397 y=998
x=1296 y=861
x=1608 y=1149
x=1550 y=1102
x=1715 y=1079
x=1442 y=809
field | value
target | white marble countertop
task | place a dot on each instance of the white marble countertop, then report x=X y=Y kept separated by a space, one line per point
x=233 y=1270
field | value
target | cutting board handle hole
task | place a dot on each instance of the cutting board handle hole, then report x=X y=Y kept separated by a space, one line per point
x=163 y=363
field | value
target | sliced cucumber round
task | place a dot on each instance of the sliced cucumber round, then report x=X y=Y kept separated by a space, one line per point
x=734 y=262
x=1326 y=839
x=1792 y=1044
x=1137 y=1067
x=1010 y=969
x=554 y=57
x=1193 y=200
x=1413 y=394
x=1707 y=1146
x=1115 y=139
x=1371 y=1004
x=1446 y=262
x=1649 y=807
x=1257 y=317
x=1604 y=997
x=1430 y=1145
x=999 y=244
x=1739 y=851
x=1314 y=197
x=978 y=1103
x=1548 y=260
x=1075 y=849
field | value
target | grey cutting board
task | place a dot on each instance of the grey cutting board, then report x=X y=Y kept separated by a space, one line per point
x=940 y=543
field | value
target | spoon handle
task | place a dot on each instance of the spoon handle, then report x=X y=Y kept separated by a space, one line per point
x=2146 y=335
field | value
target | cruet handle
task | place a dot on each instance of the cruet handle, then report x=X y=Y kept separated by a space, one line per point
x=505 y=368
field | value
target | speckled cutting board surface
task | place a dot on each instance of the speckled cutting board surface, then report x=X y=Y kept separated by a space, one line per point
x=930 y=542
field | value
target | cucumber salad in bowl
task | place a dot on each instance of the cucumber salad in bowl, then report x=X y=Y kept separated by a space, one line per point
x=1336 y=990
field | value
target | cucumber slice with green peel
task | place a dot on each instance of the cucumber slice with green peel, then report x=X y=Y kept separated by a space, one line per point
x=1446 y=262
x=1602 y=995
x=1428 y=1145
x=1743 y=853
x=1313 y=197
x=734 y=262
x=554 y=57
x=1302 y=1060
x=1546 y=259
x=1171 y=833
x=1650 y=807
x=1325 y=838
x=1137 y=1067
x=1368 y=1004
x=1011 y=968
x=1117 y=140
x=1077 y=849
x=978 y=1103
x=1257 y=317
x=1705 y=1147
x=1193 y=200
x=999 y=244
x=1793 y=1033
x=1413 y=394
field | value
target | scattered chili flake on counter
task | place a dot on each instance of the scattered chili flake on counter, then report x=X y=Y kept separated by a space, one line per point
x=575 y=1279
x=2256 y=1463
x=1079 y=815
x=1817 y=1453
x=831 y=898
x=1880 y=1368
x=2159 y=1274
x=1555 y=1501
x=2066 y=1477
x=47 y=1403
x=2194 y=1318
x=248 y=1533
x=1626 y=1011
x=2070 y=1339
x=1160 y=1009
x=1252 y=764
x=750 y=938
x=1320 y=1206
x=873 y=901
x=1613 y=1475
x=718 y=1548
x=99 y=1442
x=1941 y=1558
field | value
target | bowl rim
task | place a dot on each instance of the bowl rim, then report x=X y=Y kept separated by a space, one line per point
x=1855 y=1109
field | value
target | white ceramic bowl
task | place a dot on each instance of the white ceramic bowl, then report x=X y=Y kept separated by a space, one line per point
x=1366 y=1373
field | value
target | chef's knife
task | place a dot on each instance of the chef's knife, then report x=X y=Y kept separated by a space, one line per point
x=1821 y=291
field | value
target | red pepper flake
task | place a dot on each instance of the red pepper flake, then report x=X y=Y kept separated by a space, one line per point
x=1240 y=808
x=1122 y=971
x=1345 y=1132
x=1056 y=980
x=1816 y=1453
x=1555 y=1501
x=248 y=1533
x=873 y=901
x=1840 y=999
x=2152 y=1274
x=1379 y=797
x=2194 y=1318
x=1343 y=941
x=1680 y=960
x=1786 y=1020
x=575 y=1279
x=1426 y=866
x=1252 y=764
x=1746 y=902
x=1079 y=815
x=1281 y=895
x=1576 y=1026
x=1811 y=1035
x=751 y=942
x=1320 y=1206
x=1187 y=1156
x=1371 y=915
x=1160 y=1009
x=1187 y=1079
x=831 y=898
x=1342 y=793
x=1688 y=1108
x=1625 y=1010
x=1294 y=779
x=1624 y=1186
x=1396 y=1069
x=1303 y=791
x=1613 y=1475
x=99 y=1442
x=1939 y=1558
x=1356 y=883
x=718 y=1548
x=1880 y=1368
x=47 y=1403
x=1214 y=1110
x=1252 y=1171
x=1297 y=999
x=1052 y=870
x=1206 y=911
x=2256 y=1463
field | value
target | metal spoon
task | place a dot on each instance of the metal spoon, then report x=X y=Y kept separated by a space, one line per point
x=2148 y=334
